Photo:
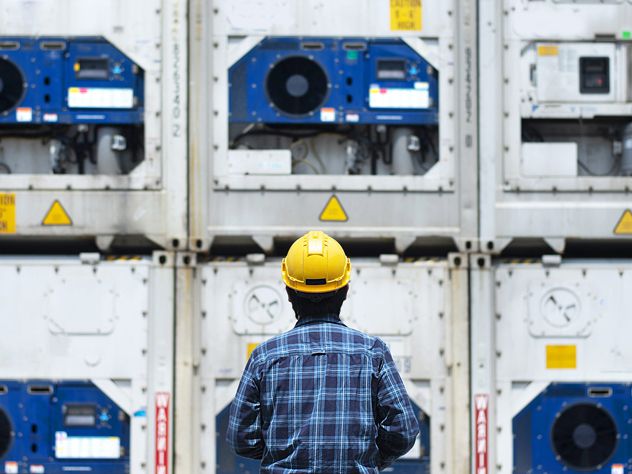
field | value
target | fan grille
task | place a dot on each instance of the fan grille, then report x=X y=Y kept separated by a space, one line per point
x=11 y=85
x=297 y=85
x=584 y=436
x=5 y=433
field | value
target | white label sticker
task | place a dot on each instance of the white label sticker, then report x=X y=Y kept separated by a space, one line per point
x=37 y=469
x=399 y=98
x=11 y=467
x=86 y=447
x=24 y=114
x=100 y=98
x=617 y=469
x=328 y=114
x=51 y=117
x=352 y=117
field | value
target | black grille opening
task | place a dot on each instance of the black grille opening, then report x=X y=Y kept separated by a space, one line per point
x=11 y=85
x=6 y=433
x=584 y=436
x=297 y=85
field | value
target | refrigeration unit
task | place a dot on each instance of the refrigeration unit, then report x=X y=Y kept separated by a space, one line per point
x=69 y=106
x=50 y=426
x=345 y=106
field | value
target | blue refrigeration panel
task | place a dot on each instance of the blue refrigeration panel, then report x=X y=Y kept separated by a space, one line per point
x=575 y=428
x=58 y=80
x=60 y=427
x=291 y=80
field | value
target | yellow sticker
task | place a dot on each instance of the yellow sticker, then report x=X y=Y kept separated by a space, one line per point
x=561 y=357
x=405 y=15
x=57 y=215
x=548 y=50
x=251 y=347
x=7 y=213
x=333 y=211
x=624 y=226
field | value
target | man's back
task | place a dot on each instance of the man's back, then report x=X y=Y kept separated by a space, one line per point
x=322 y=398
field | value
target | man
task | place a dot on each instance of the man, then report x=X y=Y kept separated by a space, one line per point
x=321 y=398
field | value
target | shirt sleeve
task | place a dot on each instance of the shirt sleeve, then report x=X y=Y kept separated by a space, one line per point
x=396 y=422
x=244 y=424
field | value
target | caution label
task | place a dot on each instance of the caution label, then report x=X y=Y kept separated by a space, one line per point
x=7 y=213
x=548 y=50
x=56 y=215
x=405 y=15
x=624 y=226
x=333 y=211
x=561 y=357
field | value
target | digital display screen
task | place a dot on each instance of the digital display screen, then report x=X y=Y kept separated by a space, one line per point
x=92 y=68
x=594 y=75
x=80 y=415
x=391 y=69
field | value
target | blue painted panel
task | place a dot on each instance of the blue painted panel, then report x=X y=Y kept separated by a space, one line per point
x=349 y=75
x=37 y=410
x=575 y=428
x=51 y=66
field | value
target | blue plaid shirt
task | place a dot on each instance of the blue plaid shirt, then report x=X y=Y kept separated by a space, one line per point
x=322 y=398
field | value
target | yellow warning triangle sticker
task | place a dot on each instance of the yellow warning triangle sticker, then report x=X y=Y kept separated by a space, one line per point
x=333 y=211
x=624 y=226
x=57 y=215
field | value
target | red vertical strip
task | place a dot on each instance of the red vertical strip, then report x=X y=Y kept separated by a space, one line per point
x=162 y=433
x=481 y=422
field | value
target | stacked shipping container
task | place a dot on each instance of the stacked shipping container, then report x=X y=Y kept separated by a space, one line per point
x=550 y=373
x=93 y=146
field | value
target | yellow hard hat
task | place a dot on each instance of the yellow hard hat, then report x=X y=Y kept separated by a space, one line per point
x=316 y=263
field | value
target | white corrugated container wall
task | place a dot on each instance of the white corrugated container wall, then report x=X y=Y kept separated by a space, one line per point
x=551 y=365
x=226 y=308
x=263 y=194
x=554 y=107
x=94 y=340
x=106 y=199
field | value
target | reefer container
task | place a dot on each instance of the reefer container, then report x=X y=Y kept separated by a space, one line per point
x=86 y=365
x=555 y=108
x=418 y=308
x=551 y=366
x=354 y=116
x=93 y=121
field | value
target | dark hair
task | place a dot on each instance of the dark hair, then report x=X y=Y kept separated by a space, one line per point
x=315 y=304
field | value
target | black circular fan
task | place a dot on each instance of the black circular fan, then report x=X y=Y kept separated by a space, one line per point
x=297 y=85
x=5 y=433
x=11 y=85
x=584 y=436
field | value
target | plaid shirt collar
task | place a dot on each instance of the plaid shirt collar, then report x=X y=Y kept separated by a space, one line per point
x=323 y=318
